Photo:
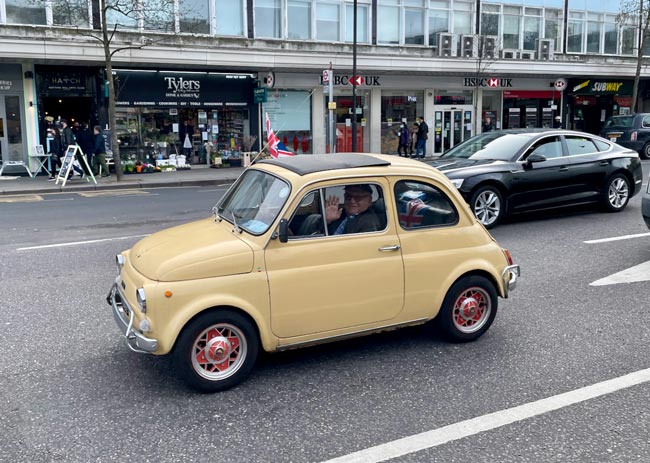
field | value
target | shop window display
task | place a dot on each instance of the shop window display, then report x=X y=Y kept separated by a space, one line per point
x=397 y=107
x=290 y=115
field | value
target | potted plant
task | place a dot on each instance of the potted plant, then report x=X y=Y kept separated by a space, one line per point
x=138 y=166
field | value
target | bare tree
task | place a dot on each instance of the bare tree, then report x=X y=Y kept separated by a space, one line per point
x=635 y=12
x=486 y=53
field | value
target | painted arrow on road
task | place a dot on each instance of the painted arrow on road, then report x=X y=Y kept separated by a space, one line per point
x=634 y=274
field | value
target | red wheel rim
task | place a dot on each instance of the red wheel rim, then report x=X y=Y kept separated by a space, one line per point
x=219 y=351
x=472 y=310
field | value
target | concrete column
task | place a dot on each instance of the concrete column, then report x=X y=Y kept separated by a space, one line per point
x=318 y=132
x=428 y=117
x=30 y=115
x=375 y=120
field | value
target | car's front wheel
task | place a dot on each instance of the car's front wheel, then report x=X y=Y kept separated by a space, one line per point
x=216 y=351
x=468 y=309
x=487 y=205
x=617 y=193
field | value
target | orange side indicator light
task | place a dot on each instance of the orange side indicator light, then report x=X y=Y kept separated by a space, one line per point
x=168 y=293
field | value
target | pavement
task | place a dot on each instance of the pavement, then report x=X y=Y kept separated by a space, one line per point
x=19 y=183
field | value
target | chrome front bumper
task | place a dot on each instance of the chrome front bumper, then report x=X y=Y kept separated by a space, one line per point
x=510 y=276
x=136 y=341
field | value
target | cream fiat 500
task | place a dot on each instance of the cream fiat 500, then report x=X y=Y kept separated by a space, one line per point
x=306 y=250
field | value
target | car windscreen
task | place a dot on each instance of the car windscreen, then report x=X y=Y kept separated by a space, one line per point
x=490 y=145
x=619 y=121
x=254 y=201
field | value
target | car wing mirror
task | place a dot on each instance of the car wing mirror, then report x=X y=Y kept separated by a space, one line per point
x=283 y=231
x=535 y=157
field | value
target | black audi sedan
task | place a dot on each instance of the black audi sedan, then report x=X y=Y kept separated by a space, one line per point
x=512 y=171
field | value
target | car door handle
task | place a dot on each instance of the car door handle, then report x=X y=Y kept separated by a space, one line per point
x=563 y=169
x=603 y=163
x=389 y=248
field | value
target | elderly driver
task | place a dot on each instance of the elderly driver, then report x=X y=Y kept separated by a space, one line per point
x=355 y=216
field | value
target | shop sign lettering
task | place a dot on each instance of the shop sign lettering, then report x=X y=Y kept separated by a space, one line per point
x=180 y=87
x=607 y=86
x=6 y=84
x=370 y=81
x=486 y=82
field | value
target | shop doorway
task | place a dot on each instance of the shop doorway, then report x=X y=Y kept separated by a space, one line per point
x=12 y=147
x=73 y=109
x=451 y=125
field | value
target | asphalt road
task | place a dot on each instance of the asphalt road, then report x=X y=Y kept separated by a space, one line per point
x=70 y=390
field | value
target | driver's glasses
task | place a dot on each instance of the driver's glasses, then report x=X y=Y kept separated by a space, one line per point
x=356 y=197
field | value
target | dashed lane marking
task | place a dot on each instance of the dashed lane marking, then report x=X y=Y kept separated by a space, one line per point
x=77 y=243
x=617 y=238
x=92 y=194
x=634 y=274
x=440 y=436
x=20 y=198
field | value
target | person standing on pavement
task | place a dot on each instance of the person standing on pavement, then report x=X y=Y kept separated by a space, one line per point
x=423 y=135
x=99 y=152
x=404 y=136
x=55 y=150
x=87 y=144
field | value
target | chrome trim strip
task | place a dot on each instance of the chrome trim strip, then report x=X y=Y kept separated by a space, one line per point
x=135 y=340
x=356 y=334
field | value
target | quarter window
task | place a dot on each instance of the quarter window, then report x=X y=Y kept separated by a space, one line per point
x=580 y=145
x=601 y=145
x=646 y=121
x=420 y=205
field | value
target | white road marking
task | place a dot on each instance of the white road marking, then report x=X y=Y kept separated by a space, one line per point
x=218 y=189
x=634 y=274
x=617 y=238
x=60 y=245
x=93 y=194
x=440 y=436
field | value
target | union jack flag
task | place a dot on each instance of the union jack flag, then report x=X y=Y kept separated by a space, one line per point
x=412 y=213
x=276 y=147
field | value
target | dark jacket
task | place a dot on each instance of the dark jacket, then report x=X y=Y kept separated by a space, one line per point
x=404 y=135
x=67 y=138
x=85 y=140
x=100 y=144
x=365 y=222
x=423 y=130
x=55 y=144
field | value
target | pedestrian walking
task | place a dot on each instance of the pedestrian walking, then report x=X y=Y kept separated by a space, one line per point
x=99 y=152
x=423 y=135
x=87 y=144
x=404 y=136
x=413 y=139
x=55 y=150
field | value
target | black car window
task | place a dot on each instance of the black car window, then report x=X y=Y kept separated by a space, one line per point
x=307 y=219
x=549 y=147
x=420 y=205
x=619 y=121
x=646 y=122
x=601 y=145
x=490 y=145
x=580 y=145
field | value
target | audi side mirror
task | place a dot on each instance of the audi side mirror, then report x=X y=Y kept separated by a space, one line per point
x=535 y=158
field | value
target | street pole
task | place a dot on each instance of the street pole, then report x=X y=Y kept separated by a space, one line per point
x=332 y=124
x=354 y=77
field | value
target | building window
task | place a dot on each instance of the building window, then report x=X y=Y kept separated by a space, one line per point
x=553 y=27
x=532 y=27
x=388 y=22
x=438 y=22
x=611 y=36
x=594 y=27
x=70 y=13
x=299 y=19
x=414 y=26
x=194 y=17
x=490 y=19
x=328 y=22
x=463 y=14
x=363 y=19
x=628 y=42
x=576 y=31
x=25 y=12
x=230 y=17
x=511 y=18
x=119 y=19
x=158 y=15
x=268 y=19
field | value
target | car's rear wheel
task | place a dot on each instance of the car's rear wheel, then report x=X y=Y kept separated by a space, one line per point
x=617 y=193
x=216 y=351
x=487 y=205
x=468 y=309
x=645 y=151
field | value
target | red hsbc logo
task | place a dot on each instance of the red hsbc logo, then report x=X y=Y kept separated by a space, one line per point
x=357 y=79
x=493 y=82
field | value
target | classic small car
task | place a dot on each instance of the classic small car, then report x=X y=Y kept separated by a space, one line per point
x=306 y=250
x=631 y=131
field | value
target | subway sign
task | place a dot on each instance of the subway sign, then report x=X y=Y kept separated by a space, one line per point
x=601 y=87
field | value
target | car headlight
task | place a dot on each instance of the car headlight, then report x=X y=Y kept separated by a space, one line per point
x=457 y=182
x=119 y=261
x=142 y=299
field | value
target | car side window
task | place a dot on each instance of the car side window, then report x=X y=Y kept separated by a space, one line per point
x=601 y=145
x=420 y=205
x=347 y=209
x=646 y=122
x=580 y=145
x=549 y=147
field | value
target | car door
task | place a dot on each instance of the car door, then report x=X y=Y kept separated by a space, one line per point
x=537 y=185
x=588 y=168
x=324 y=283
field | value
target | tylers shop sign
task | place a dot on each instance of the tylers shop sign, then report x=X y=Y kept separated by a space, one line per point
x=170 y=89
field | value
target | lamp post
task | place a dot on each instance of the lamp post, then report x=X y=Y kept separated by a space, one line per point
x=354 y=78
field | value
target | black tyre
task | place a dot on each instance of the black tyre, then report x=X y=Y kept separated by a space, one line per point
x=487 y=205
x=617 y=193
x=645 y=151
x=216 y=351
x=468 y=309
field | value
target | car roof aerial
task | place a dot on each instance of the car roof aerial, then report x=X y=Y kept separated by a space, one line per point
x=308 y=164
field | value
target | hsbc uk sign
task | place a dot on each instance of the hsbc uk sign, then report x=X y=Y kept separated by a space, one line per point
x=487 y=82
x=369 y=81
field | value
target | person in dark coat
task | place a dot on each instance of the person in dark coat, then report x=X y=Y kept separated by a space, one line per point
x=423 y=135
x=55 y=150
x=557 y=123
x=99 y=152
x=404 y=136
x=86 y=143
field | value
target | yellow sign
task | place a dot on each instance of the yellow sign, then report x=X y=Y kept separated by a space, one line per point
x=331 y=105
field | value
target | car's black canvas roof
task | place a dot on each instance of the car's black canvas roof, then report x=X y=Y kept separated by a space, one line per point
x=309 y=163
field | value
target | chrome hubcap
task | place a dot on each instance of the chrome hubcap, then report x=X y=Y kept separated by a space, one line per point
x=618 y=193
x=487 y=207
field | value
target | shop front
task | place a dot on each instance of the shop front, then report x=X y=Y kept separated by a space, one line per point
x=12 y=119
x=195 y=114
x=592 y=100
